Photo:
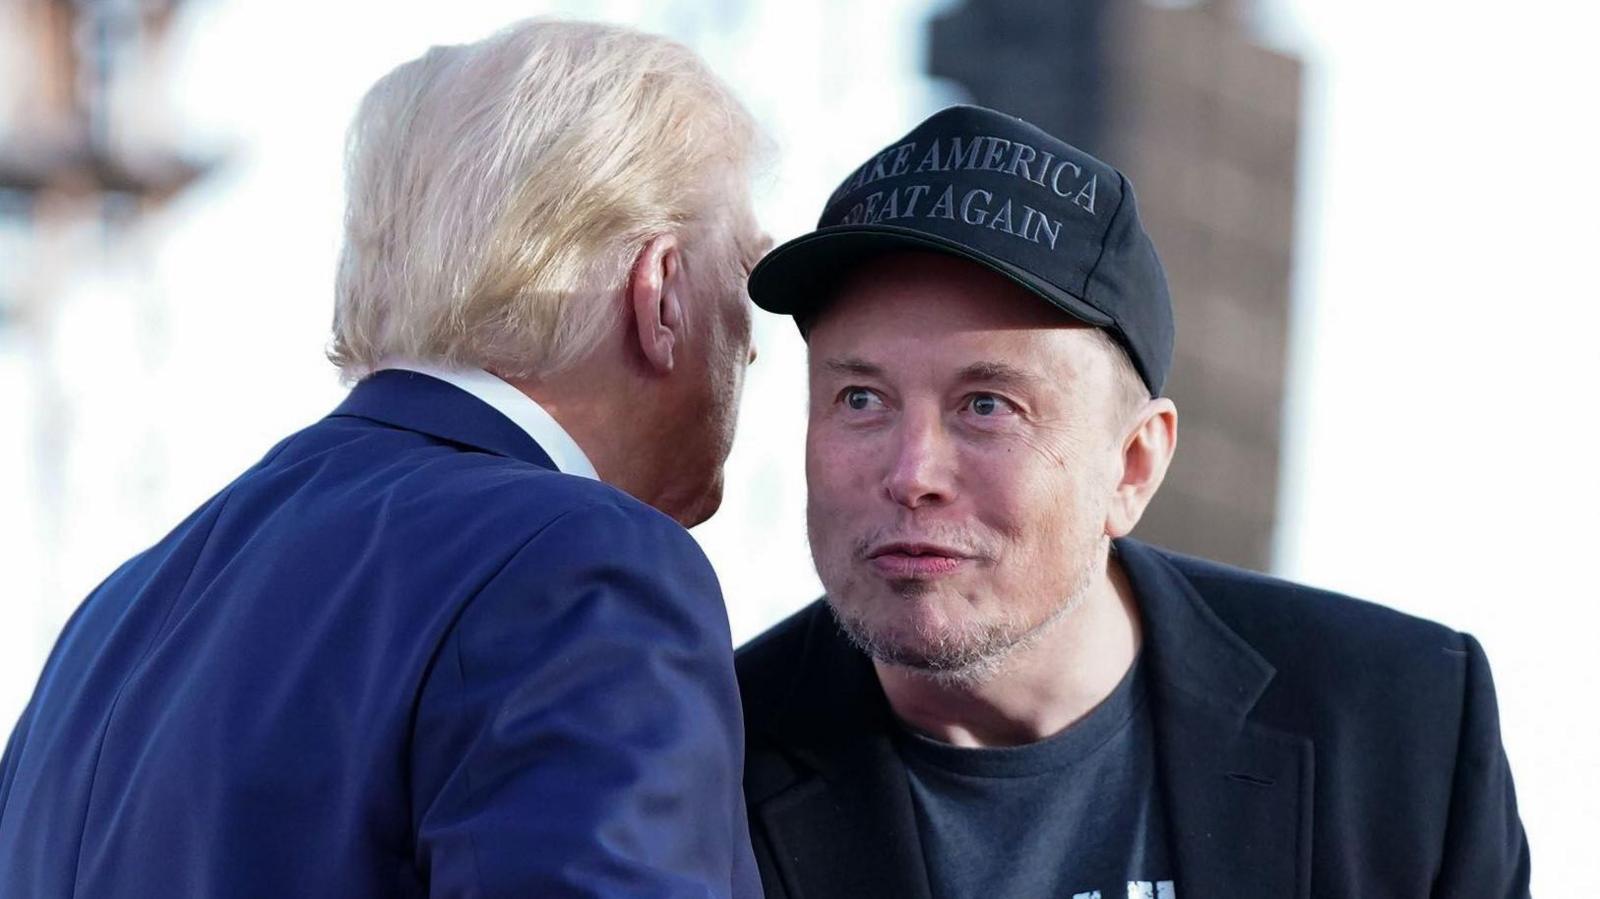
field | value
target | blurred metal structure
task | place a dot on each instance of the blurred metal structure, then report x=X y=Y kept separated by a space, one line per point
x=1205 y=120
x=87 y=118
x=88 y=151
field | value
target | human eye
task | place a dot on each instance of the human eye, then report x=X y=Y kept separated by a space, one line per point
x=859 y=398
x=988 y=405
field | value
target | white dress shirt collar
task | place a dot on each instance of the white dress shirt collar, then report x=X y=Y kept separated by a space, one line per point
x=515 y=405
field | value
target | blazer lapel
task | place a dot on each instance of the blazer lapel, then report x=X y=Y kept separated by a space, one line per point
x=851 y=828
x=1238 y=805
x=1238 y=794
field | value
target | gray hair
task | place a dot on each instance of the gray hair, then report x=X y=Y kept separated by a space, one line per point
x=498 y=192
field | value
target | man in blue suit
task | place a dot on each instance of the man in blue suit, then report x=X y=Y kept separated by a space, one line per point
x=451 y=640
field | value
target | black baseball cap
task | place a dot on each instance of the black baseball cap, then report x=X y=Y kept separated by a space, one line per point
x=989 y=187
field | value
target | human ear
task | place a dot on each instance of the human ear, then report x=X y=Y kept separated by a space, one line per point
x=655 y=297
x=1146 y=453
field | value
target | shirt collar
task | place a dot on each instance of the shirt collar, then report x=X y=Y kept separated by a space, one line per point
x=513 y=404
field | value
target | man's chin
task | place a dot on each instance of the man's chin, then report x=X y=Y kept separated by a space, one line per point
x=704 y=505
x=926 y=645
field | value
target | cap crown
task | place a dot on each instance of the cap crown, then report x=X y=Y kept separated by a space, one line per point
x=997 y=190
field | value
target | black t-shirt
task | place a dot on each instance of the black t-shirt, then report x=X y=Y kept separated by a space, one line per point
x=1076 y=815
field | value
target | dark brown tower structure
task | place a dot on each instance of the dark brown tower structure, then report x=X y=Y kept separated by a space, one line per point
x=1205 y=120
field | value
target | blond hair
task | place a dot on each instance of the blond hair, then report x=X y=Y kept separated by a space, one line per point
x=497 y=192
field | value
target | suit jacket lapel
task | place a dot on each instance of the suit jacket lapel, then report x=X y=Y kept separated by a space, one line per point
x=1238 y=794
x=427 y=405
x=850 y=830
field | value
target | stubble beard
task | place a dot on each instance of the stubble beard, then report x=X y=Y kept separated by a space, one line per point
x=974 y=656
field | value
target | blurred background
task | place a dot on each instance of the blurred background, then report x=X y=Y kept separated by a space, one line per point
x=1379 y=218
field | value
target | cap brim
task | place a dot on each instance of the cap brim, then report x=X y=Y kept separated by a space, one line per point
x=800 y=276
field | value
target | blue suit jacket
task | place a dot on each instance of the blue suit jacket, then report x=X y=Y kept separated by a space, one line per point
x=401 y=656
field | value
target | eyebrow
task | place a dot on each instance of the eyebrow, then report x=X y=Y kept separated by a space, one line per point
x=997 y=373
x=851 y=365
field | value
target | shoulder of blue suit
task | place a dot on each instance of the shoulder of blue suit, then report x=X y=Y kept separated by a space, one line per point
x=401 y=655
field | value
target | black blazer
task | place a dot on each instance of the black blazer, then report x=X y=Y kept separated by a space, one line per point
x=1308 y=744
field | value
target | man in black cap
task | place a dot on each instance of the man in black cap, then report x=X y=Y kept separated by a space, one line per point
x=1002 y=694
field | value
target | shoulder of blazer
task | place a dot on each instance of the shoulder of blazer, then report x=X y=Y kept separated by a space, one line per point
x=1284 y=620
x=1342 y=665
x=769 y=668
x=500 y=499
x=768 y=662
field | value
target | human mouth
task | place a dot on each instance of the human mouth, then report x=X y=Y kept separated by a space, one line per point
x=916 y=560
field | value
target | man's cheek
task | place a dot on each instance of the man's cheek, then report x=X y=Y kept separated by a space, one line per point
x=829 y=469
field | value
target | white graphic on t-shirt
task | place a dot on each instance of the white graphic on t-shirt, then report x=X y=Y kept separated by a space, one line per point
x=1140 y=889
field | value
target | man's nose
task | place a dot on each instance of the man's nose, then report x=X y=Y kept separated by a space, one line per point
x=921 y=472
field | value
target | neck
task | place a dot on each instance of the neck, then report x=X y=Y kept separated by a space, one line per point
x=624 y=446
x=1042 y=688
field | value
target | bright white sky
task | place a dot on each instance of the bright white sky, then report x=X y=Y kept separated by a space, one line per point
x=1438 y=435
x=1441 y=433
